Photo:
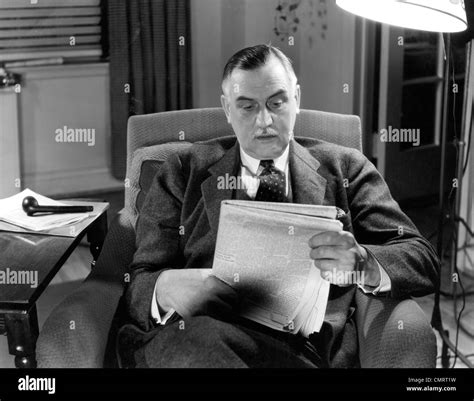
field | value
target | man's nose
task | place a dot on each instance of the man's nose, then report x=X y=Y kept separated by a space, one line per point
x=264 y=119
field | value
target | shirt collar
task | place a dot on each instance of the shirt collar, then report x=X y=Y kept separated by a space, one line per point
x=252 y=164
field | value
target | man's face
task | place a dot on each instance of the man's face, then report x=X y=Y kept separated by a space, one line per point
x=261 y=105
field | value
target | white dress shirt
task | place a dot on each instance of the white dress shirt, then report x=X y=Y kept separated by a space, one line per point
x=249 y=172
x=251 y=169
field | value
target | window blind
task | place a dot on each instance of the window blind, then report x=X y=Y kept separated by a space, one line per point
x=31 y=29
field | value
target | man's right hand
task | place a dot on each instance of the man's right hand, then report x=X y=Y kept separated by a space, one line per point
x=193 y=292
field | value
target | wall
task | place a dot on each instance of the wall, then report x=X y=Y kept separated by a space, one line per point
x=206 y=51
x=75 y=96
x=323 y=65
x=9 y=143
x=219 y=28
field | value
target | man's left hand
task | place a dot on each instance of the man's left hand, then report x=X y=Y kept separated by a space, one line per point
x=335 y=253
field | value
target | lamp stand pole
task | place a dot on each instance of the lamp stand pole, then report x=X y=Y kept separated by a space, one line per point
x=436 y=320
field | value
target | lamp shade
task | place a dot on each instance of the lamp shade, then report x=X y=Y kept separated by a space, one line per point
x=425 y=15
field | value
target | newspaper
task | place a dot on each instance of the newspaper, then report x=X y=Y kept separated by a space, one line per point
x=262 y=251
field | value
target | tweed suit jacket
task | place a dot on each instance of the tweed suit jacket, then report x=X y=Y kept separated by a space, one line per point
x=177 y=227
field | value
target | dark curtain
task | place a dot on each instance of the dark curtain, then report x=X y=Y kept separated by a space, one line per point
x=150 y=64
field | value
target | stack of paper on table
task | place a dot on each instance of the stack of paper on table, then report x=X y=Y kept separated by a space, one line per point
x=13 y=217
x=262 y=251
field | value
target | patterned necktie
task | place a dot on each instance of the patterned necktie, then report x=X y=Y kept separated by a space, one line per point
x=272 y=185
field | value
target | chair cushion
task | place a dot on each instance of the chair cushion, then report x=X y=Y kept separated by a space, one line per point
x=146 y=163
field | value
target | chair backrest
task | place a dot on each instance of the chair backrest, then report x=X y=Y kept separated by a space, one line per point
x=152 y=137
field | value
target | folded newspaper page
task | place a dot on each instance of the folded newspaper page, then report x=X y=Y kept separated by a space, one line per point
x=262 y=251
x=11 y=211
x=14 y=219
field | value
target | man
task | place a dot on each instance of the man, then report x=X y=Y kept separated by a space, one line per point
x=188 y=315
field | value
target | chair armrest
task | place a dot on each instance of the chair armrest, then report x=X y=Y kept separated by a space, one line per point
x=393 y=333
x=75 y=334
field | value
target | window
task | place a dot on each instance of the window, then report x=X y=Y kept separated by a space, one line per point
x=33 y=29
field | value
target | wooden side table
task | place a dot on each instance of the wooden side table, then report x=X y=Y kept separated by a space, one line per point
x=25 y=255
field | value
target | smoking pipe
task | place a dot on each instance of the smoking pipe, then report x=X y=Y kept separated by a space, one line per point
x=30 y=206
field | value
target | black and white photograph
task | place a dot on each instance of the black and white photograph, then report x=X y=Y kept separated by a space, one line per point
x=236 y=199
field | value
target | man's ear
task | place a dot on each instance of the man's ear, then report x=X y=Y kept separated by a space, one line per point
x=226 y=106
x=297 y=98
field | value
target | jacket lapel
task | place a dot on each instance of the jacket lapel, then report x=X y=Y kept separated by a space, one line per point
x=213 y=192
x=308 y=186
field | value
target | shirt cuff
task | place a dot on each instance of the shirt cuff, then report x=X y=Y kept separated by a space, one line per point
x=155 y=312
x=385 y=284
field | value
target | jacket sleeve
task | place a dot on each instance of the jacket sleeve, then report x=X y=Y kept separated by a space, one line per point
x=157 y=239
x=380 y=225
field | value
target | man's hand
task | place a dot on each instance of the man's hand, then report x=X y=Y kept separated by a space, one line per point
x=335 y=253
x=193 y=292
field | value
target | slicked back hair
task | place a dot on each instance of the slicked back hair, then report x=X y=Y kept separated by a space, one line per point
x=256 y=56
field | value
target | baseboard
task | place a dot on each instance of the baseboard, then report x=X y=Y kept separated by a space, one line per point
x=72 y=182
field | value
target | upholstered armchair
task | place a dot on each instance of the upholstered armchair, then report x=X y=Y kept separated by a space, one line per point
x=97 y=306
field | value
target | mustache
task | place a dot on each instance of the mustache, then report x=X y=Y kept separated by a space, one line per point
x=266 y=132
